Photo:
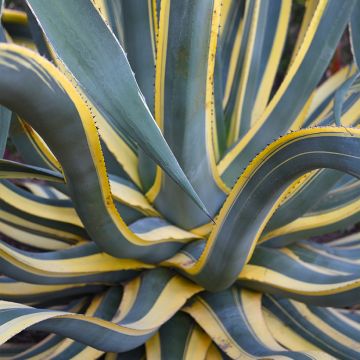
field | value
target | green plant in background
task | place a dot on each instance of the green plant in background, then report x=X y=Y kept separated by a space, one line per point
x=173 y=213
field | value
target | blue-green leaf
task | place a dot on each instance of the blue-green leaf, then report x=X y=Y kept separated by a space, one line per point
x=105 y=74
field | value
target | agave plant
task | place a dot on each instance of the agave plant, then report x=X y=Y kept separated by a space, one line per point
x=177 y=187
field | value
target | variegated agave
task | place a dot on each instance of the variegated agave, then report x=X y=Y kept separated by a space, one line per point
x=124 y=261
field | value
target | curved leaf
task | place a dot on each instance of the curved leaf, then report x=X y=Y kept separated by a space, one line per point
x=355 y=31
x=115 y=93
x=5 y=114
x=269 y=21
x=87 y=184
x=234 y=319
x=283 y=273
x=14 y=170
x=350 y=86
x=12 y=290
x=314 y=187
x=337 y=212
x=259 y=191
x=184 y=91
x=180 y=338
x=326 y=27
x=79 y=264
x=118 y=335
x=321 y=327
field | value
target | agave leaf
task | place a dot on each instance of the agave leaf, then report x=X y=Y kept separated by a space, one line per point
x=346 y=244
x=243 y=334
x=139 y=42
x=52 y=209
x=324 y=254
x=32 y=148
x=327 y=329
x=125 y=331
x=112 y=85
x=12 y=290
x=2 y=33
x=184 y=105
x=245 y=28
x=324 y=95
x=263 y=39
x=335 y=212
x=15 y=170
x=27 y=222
x=313 y=57
x=350 y=86
x=5 y=114
x=88 y=184
x=37 y=35
x=349 y=116
x=179 y=338
x=218 y=130
x=127 y=194
x=149 y=305
x=5 y=117
x=59 y=213
x=67 y=266
x=72 y=325
x=63 y=266
x=303 y=198
x=120 y=158
x=42 y=190
x=278 y=18
x=156 y=9
x=123 y=191
x=355 y=34
x=102 y=306
x=14 y=16
x=315 y=187
x=232 y=14
x=122 y=284
x=45 y=240
x=285 y=336
x=259 y=191
x=155 y=229
x=310 y=9
x=346 y=190
x=149 y=229
x=283 y=273
x=111 y=11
